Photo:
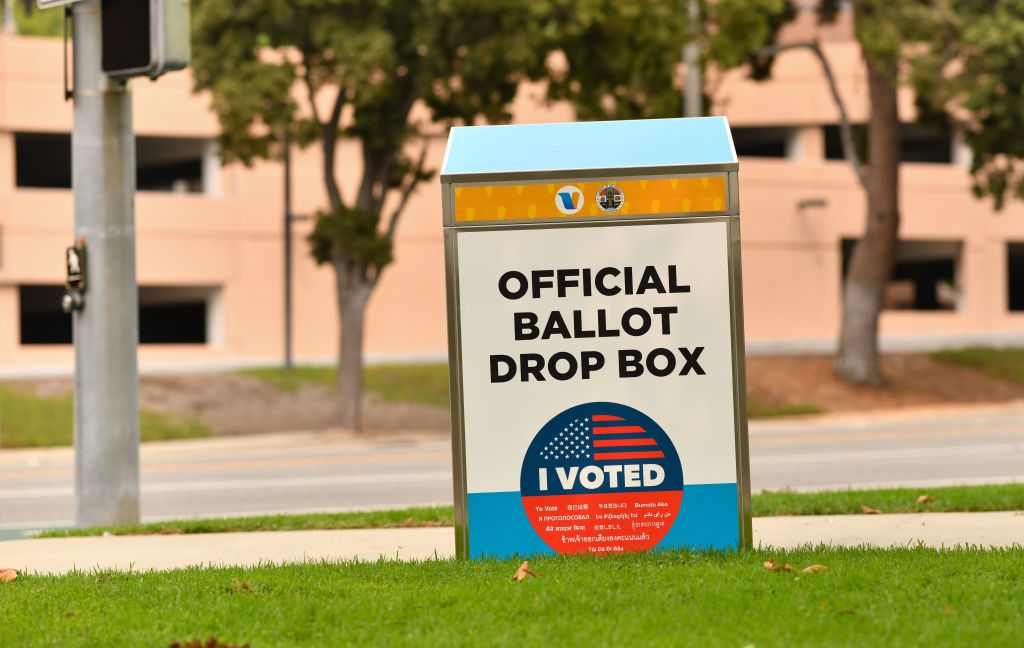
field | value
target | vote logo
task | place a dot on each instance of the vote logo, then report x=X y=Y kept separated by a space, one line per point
x=601 y=478
x=569 y=200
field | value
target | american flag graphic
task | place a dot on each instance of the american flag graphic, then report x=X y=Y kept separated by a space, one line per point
x=603 y=436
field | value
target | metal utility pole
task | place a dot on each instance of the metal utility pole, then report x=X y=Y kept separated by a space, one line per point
x=287 y=252
x=106 y=327
x=693 y=90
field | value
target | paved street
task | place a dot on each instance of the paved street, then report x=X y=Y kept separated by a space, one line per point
x=310 y=472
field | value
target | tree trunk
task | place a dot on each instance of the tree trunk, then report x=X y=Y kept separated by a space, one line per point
x=871 y=262
x=354 y=288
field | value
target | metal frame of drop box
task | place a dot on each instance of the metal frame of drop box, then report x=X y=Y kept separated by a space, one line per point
x=452 y=228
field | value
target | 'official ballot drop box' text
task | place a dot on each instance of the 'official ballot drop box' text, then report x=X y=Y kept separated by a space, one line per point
x=595 y=330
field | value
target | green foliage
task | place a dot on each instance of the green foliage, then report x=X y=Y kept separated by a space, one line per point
x=623 y=57
x=37 y=22
x=975 y=70
x=28 y=420
x=353 y=233
x=463 y=58
x=741 y=28
x=329 y=70
x=964 y=60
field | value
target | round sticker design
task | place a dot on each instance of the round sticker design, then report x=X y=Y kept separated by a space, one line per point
x=569 y=200
x=610 y=198
x=601 y=478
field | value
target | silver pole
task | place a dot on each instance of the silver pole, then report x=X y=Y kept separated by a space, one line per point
x=288 y=361
x=693 y=92
x=106 y=330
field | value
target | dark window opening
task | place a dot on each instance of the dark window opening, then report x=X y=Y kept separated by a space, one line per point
x=924 y=276
x=173 y=315
x=1015 y=276
x=42 y=321
x=167 y=315
x=761 y=142
x=43 y=160
x=917 y=144
x=169 y=164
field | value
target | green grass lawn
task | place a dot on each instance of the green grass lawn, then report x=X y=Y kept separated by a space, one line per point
x=1008 y=497
x=994 y=497
x=28 y=420
x=427 y=383
x=420 y=516
x=758 y=409
x=1005 y=364
x=894 y=597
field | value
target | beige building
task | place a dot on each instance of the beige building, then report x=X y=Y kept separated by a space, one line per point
x=210 y=237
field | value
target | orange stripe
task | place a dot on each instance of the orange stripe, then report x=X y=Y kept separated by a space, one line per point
x=606 y=417
x=618 y=443
x=604 y=456
x=686 y=195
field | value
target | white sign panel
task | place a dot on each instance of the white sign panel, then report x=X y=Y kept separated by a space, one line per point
x=598 y=387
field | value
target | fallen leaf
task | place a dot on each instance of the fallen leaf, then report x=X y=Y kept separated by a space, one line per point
x=8 y=575
x=211 y=642
x=925 y=499
x=238 y=587
x=811 y=569
x=867 y=510
x=773 y=566
x=523 y=572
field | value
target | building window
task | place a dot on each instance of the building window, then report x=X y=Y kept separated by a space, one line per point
x=924 y=277
x=42 y=160
x=167 y=315
x=42 y=321
x=170 y=164
x=917 y=144
x=762 y=141
x=175 y=314
x=1015 y=276
x=174 y=164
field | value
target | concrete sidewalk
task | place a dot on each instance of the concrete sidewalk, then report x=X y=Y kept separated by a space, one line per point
x=140 y=553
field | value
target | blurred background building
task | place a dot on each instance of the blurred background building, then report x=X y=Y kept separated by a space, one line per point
x=210 y=237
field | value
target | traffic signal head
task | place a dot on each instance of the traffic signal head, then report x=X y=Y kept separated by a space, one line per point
x=145 y=37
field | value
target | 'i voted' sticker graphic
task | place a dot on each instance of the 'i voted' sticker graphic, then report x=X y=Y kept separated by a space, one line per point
x=601 y=478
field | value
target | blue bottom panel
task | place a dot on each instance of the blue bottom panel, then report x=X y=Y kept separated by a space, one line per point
x=708 y=519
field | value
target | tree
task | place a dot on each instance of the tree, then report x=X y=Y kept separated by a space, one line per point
x=324 y=71
x=963 y=60
x=622 y=59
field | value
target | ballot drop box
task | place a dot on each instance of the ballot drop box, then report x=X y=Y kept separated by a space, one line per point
x=595 y=330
